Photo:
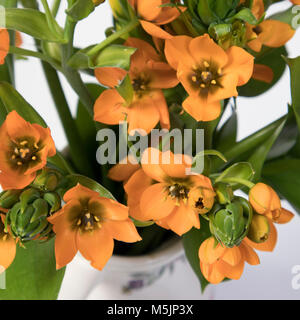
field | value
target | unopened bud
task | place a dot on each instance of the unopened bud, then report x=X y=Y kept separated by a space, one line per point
x=259 y=229
x=230 y=223
x=47 y=180
x=9 y=198
x=224 y=193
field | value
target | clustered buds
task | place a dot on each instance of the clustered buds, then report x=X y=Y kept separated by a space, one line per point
x=28 y=209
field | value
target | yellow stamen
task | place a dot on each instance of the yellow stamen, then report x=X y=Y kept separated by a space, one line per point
x=213 y=82
x=99 y=225
x=16 y=151
x=206 y=64
x=23 y=143
x=24 y=152
x=13 y=157
x=88 y=215
x=33 y=158
x=96 y=218
x=35 y=145
x=19 y=163
x=79 y=222
x=202 y=85
x=194 y=78
x=219 y=71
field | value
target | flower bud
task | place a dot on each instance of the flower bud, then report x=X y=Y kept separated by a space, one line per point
x=259 y=229
x=202 y=197
x=9 y=198
x=214 y=10
x=29 y=223
x=47 y=180
x=224 y=193
x=54 y=201
x=230 y=223
x=97 y=2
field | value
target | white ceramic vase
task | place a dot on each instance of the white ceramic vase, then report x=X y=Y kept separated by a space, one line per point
x=163 y=274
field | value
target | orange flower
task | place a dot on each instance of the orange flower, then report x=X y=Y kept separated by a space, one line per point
x=271 y=33
x=7 y=245
x=265 y=201
x=4 y=45
x=124 y=170
x=24 y=150
x=159 y=191
x=90 y=223
x=148 y=75
x=218 y=262
x=207 y=72
x=295 y=1
x=153 y=16
x=262 y=73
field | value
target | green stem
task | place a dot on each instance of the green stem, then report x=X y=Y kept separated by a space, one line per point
x=50 y=18
x=133 y=24
x=76 y=148
x=55 y=7
x=35 y=54
x=72 y=75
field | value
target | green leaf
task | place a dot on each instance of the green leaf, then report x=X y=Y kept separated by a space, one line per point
x=284 y=176
x=270 y=58
x=240 y=151
x=205 y=11
x=32 y=22
x=241 y=170
x=294 y=65
x=81 y=9
x=74 y=179
x=192 y=241
x=260 y=154
x=287 y=138
x=115 y=55
x=86 y=125
x=33 y=275
x=12 y=100
x=226 y=136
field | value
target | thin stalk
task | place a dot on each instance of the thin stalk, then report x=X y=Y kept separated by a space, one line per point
x=35 y=54
x=76 y=148
x=55 y=7
x=132 y=25
x=72 y=75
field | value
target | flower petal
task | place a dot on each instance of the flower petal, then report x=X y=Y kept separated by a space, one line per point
x=109 y=107
x=109 y=76
x=122 y=230
x=182 y=219
x=268 y=245
x=96 y=247
x=155 y=204
x=151 y=160
x=201 y=111
x=210 y=251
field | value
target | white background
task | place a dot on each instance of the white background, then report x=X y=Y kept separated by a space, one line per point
x=272 y=279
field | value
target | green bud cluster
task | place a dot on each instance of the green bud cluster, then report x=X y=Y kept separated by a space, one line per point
x=225 y=20
x=28 y=209
x=230 y=221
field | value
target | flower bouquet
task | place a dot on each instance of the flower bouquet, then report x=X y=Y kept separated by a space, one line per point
x=152 y=151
